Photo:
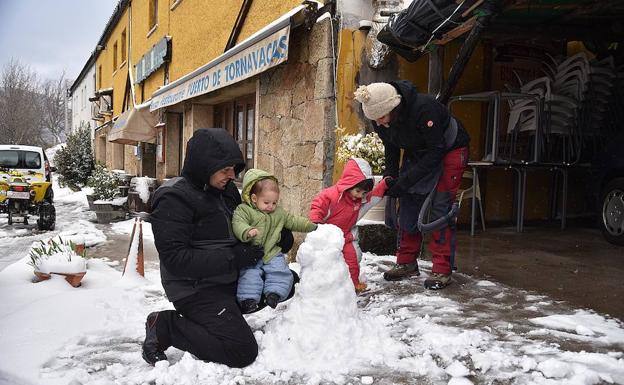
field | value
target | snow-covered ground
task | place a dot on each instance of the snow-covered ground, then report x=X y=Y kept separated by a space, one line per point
x=473 y=332
x=72 y=218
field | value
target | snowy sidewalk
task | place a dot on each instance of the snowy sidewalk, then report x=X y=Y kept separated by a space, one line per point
x=476 y=332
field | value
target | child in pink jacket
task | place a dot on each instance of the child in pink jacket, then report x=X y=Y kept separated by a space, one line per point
x=343 y=204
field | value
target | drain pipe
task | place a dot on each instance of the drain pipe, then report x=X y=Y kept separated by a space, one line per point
x=377 y=51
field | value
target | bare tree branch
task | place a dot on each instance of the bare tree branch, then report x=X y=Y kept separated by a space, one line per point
x=54 y=99
x=19 y=105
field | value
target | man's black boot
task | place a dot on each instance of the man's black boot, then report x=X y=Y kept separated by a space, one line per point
x=272 y=300
x=152 y=352
x=249 y=306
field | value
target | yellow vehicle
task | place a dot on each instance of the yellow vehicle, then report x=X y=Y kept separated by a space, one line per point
x=26 y=185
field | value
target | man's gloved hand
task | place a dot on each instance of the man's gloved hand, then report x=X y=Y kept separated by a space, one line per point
x=246 y=254
x=286 y=240
x=396 y=187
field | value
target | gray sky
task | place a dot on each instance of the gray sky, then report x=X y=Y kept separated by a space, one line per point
x=52 y=35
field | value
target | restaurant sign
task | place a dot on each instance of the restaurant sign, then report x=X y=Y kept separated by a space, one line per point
x=227 y=69
x=152 y=60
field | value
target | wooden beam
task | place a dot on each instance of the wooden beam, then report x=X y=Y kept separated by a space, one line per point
x=436 y=70
x=472 y=8
x=456 y=32
x=238 y=25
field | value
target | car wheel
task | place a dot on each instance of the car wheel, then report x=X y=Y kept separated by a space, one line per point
x=612 y=215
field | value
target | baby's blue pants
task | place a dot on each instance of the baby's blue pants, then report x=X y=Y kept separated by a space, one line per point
x=277 y=276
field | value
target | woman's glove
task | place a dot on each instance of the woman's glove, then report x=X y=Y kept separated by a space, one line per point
x=396 y=187
x=246 y=254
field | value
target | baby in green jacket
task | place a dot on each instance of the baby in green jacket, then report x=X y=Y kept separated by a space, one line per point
x=260 y=220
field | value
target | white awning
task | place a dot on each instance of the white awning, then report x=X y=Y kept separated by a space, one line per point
x=134 y=125
x=265 y=49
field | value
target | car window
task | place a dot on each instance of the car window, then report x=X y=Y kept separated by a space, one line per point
x=32 y=159
x=9 y=158
x=20 y=159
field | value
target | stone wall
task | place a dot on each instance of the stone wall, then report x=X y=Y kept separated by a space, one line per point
x=296 y=119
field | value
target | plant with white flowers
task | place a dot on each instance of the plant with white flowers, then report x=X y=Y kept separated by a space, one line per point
x=368 y=147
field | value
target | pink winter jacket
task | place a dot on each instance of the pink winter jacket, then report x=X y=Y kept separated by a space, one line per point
x=333 y=205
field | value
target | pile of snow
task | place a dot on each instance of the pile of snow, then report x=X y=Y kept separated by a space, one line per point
x=142 y=187
x=322 y=331
x=39 y=322
x=125 y=227
x=51 y=152
x=119 y=201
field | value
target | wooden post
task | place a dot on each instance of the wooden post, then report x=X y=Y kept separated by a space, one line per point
x=140 y=262
x=140 y=268
x=436 y=70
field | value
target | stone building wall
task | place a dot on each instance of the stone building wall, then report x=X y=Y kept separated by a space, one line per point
x=296 y=119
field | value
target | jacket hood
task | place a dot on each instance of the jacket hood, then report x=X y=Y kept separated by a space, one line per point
x=208 y=151
x=252 y=176
x=355 y=171
x=407 y=90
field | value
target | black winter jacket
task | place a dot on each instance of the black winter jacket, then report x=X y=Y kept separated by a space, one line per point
x=191 y=221
x=419 y=130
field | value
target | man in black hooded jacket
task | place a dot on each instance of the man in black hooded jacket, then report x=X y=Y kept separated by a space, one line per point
x=200 y=258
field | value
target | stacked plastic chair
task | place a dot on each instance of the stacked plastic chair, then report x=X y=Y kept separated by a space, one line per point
x=590 y=85
x=524 y=118
x=578 y=109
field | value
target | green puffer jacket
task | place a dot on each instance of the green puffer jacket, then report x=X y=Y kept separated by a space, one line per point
x=247 y=216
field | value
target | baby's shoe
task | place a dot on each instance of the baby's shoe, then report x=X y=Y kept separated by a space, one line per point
x=249 y=306
x=272 y=300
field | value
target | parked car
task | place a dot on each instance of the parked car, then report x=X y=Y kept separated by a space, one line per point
x=26 y=185
x=608 y=190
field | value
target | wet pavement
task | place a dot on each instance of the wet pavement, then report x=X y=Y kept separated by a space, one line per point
x=575 y=265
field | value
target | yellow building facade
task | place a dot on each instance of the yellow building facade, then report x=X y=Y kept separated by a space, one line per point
x=150 y=45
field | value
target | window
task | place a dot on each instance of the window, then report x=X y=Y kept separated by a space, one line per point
x=100 y=77
x=239 y=118
x=20 y=159
x=123 y=47
x=153 y=13
x=32 y=159
x=114 y=56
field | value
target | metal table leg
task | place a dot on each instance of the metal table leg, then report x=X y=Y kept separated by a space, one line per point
x=564 y=198
x=523 y=172
x=473 y=203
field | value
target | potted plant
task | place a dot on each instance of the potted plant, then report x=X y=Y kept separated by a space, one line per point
x=58 y=256
x=370 y=148
x=108 y=205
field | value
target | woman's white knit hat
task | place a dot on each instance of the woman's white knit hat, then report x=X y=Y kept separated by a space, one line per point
x=377 y=99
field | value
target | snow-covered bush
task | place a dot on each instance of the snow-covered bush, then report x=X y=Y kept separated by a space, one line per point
x=105 y=184
x=57 y=255
x=368 y=147
x=74 y=162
